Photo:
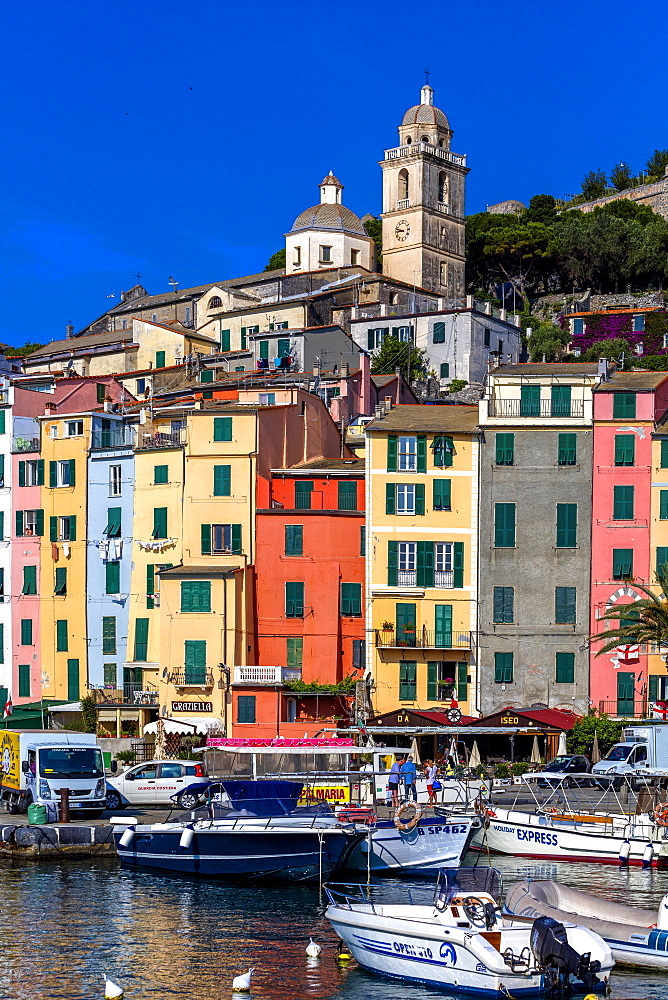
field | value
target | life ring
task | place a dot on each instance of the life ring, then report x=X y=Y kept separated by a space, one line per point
x=412 y=823
x=661 y=814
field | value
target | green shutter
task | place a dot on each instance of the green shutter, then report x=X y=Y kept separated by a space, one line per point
x=294 y=600
x=53 y=529
x=113 y=528
x=392 y=563
x=22 y=473
x=160 y=359
x=390 y=498
x=622 y=509
x=73 y=680
x=73 y=527
x=503 y=668
x=29 y=580
x=40 y=472
x=150 y=585
x=560 y=403
x=19 y=523
x=567 y=525
x=664 y=454
x=283 y=348
x=295 y=652
x=458 y=564
x=206 y=539
x=141 y=639
x=432 y=681
x=662 y=557
x=224 y=340
x=294 y=539
x=53 y=474
x=72 y=465
x=622 y=564
x=24 y=680
x=530 y=401
x=195 y=596
x=565 y=668
x=264 y=350
x=663 y=505
x=347 y=495
x=195 y=661
x=236 y=539
x=351 y=599
x=2 y=421
x=445 y=369
x=222 y=428
x=653 y=689
x=624 y=406
x=565 y=605
x=363 y=540
x=625 y=446
x=442 y=494
x=246 y=708
x=159 y=522
x=505 y=449
x=419 y=498
x=62 y=638
x=443 y=626
x=407 y=681
x=421 y=453
x=425 y=564
x=439 y=333
x=206 y=375
x=113 y=577
x=2 y=526
x=222 y=479
x=26 y=631
x=462 y=681
x=504 y=525
x=39 y=523
x=108 y=635
x=392 y=453
x=567 y=449
x=160 y=474
x=504 y=605
x=443 y=448
x=303 y=491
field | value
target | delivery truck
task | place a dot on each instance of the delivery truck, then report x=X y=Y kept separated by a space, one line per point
x=36 y=764
x=642 y=748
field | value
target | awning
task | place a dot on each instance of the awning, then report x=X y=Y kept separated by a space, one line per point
x=70 y=706
x=201 y=724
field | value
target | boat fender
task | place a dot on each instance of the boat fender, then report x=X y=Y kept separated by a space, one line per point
x=490 y=814
x=648 y=854
x=187 y=837
x=127 y=837
x=662 y=922
x=410 y=824
x=661 y=814
x=624 y=852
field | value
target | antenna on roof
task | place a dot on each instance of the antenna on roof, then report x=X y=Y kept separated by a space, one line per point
x=173 y=283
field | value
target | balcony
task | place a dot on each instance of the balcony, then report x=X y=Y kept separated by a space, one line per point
x=442 y=578
x=425 y=147
x=130 y=694
x=160 y=436
x=266 y=675
x=421 y=638
x=627 y=709
x=443 y=207
x=403 y=203
x=191 y=677
x=22 y=444
x=116 y=437
x=535 y=408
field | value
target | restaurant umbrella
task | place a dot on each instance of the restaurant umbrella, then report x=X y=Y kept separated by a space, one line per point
x=595 y=752
x=535 y=751
x=415 y=752
x=160 y=751
x=453 y=750
x=561 y=749
x=474 y=759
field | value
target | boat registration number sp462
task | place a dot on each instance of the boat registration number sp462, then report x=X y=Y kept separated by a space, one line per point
x=440 y=830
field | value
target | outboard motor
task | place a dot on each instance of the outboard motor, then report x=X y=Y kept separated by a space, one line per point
x=549 y=944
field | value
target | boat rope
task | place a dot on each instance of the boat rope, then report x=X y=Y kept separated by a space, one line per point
x=320 y=842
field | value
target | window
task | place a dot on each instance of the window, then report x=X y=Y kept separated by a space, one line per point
x=75 y=428
x=30 y=522
x=62 y=638
x=29 y=580
x=24 y=680
x=530 y=401
x=109 y=635
x=101 y=391
x=26 y=631
x=325 y=255
x=347 y=496
x=294 y=539
x=638 y=324
x=303 y=491
x=351 y=599
x=109 y=675
x=294 y=600
x=486 y=337
x=405 y=494
x=438 y=333
x=363 y=540
x=112 y=577
x=375 y=337
x=560 y=401
x=407 y=681
x=53 y=431
x=222 y=428
x=141 y=640
x=565 y=668
x=63 y=529
x=407 y=564
x=442 y=494
x=266 y=398
x=73 y=690
x=622 y=508
x=403 y=185
x=60 y=583
x=31 y=473
x=567 y=525
x=195 y=596
x=222 y=480
x=565 y=606
x=61 y=473
x=622 y=564
x=625 y=449
x=115 y=480
x=246 y=708
x=207 y=374
x=623 y=405
x=160 y=474
x=663 y=505
x=443 y=449
x=442 y=186
x=264 y=350
x=664 y=454
x=408 y=454
x=141 y=386
x=504 y=605
x=295 y=652
x=444 y=274
x=2 y=584
x=354 y=257
x=443 y=565
x=577 y=326
x=503 y=668
x=159 y=522
x=221 y=538
x=662 y=558
x=113 y=528
x=159 y=359
x=505 y=449
x=445 y=370
x=443 y=626
x=195 y=661
x=358 y=654
x=504 y=525
x=297 y=256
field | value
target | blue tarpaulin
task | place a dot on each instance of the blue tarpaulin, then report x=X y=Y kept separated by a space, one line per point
x=264 y=798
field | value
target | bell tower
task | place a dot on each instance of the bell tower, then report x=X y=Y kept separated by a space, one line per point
x=423 y=203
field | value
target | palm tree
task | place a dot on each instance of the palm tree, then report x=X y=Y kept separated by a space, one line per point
x=644 y=621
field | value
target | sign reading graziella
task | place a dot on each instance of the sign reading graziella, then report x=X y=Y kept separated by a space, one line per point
x=192 y=706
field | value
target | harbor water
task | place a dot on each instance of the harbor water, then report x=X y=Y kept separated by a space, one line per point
x=161 y=936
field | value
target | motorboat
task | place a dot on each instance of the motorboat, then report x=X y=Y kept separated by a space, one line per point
x=242 y=833
x=459 y=940
x=582 y=824
x=412 y=844
x=636 y=937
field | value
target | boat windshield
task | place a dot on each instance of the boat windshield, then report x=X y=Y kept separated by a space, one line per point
x=465 y=882
x=620 y=752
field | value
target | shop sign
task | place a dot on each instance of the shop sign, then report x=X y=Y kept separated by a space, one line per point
x=192 y=706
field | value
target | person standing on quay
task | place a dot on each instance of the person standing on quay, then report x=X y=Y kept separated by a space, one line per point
x=409 y=774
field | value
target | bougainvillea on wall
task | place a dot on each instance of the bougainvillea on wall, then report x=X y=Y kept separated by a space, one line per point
x=608 y=326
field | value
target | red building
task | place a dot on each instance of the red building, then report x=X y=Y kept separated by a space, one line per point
x=309 y=599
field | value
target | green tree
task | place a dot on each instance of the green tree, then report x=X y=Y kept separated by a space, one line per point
x=394 y=353
x=373 y=227
x=457 y=385
x=481 y=271
x=594 y=184
x=631 y=211
x=594 y=249
x=546 y=339
x=643 y=621
x=620 y=176
x=656 y=165
x=581 y=737
x=649 y=255
x=23 y=352
x=276 y=261
x=542 y=208
x=612 y=349
x=523 y=254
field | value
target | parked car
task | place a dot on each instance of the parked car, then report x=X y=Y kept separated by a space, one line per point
x=155 y=783
x=568 y=764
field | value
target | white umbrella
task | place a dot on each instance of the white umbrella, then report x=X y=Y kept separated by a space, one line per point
x=453 y=750
x=535 y=751
x=595 y=752
x=561 y=749
x=160 y=752
x=414 y=751
x=474 y=759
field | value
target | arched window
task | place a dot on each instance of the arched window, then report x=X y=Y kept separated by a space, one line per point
x=292 y=710
x=403 y=185
x=440 y=142
x=444 y=273
x=394 y=298
x=442 y=186
x=424 y=138
x=215 y=302
x=408 y=141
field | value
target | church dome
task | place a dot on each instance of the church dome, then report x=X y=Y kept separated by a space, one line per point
x=425 y=114
x=327 y=216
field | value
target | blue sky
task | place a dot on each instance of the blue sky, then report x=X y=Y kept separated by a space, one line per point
x=182 y=139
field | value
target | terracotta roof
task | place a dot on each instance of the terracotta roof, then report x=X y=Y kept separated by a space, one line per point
x=616 y=311
x=633 y=381
x=417 y=417
x=566 y=368
x=335 y=464
x=554 y=717
x=78 y=344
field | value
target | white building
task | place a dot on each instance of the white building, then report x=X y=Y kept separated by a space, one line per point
x=328 y=235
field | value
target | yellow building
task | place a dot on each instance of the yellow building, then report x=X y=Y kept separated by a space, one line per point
x=421 y=554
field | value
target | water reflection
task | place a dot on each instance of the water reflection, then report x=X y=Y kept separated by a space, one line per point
x=170 y=937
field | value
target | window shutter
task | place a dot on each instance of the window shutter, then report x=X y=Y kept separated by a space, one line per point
x=392 y=563
x=622 y=503
x=421 y=453
x=504 y=525
x=425 y=564
x=160 y=474
x=108 y=635
x=73 y=528
x=565 y=668
x=39 y=522
x=150 y=585
x=29 y=580
x=442 y=494
x=244 y=338
x=462 y=681
x=72 y=472
x=624 y=405
x=73 y=690
x=663 y=505
x=19 y=523
x=567 y=449
x=236 y=539
x=498 y=611
x=53 y=475
x=160 y=522
x=625 y=449
x=432 y=684
x=351 y=599
x=664 y=454
x=390 y=498
x=503 y=668
x=2 y=526
x=246 y=708
x=62 y=638
x=26 y=631
x=222 y=480
x=407 y=681
x=22 y=473
x=445 y=369
x=419 y=498
x=439 y=333
x=567 y=522
x=222 y=428
x=363 y=540
x=3 y=414
x=653 y=691
x=561 y=401
x=392 y=453
x=458 y=564
x=40 y=472
x=530 y=401
x=505 y=449
x=294 y=600
x=443 y=623
x=224 y=340
x=206 y=375
x=370 y=340
x=53 y=529
x=141 y=639
x=662 y=557
x=113 y=577
x=622 y=564
x=303 y=491
x=347 y=495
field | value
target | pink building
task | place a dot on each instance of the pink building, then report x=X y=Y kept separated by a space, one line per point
x=626 y=409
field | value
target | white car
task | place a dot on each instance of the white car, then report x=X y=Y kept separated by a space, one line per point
x=153 y=783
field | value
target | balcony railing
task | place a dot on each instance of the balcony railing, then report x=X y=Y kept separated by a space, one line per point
x=21 y=444
x=121 y=437
x=403 y=203
x=425 y=147
x=129 y=694
x=192 y=677
x=421 y=638
x=535 y=408
x=266 y=675
x=627 y=709
x=160 y=437
x=408 y=578
x=444 y=207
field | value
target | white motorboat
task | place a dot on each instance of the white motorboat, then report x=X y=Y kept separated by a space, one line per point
x=460 y=940
x=552 y=826
x=636 y=937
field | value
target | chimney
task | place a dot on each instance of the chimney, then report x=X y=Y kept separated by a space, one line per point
x=387 y=403
x=345 y=370
x=69 y=330
x=603 y=369
x=316 y=368
x=49 y=409
x=379 y=413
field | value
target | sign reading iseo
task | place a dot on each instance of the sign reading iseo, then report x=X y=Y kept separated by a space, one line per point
x=192 y=706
